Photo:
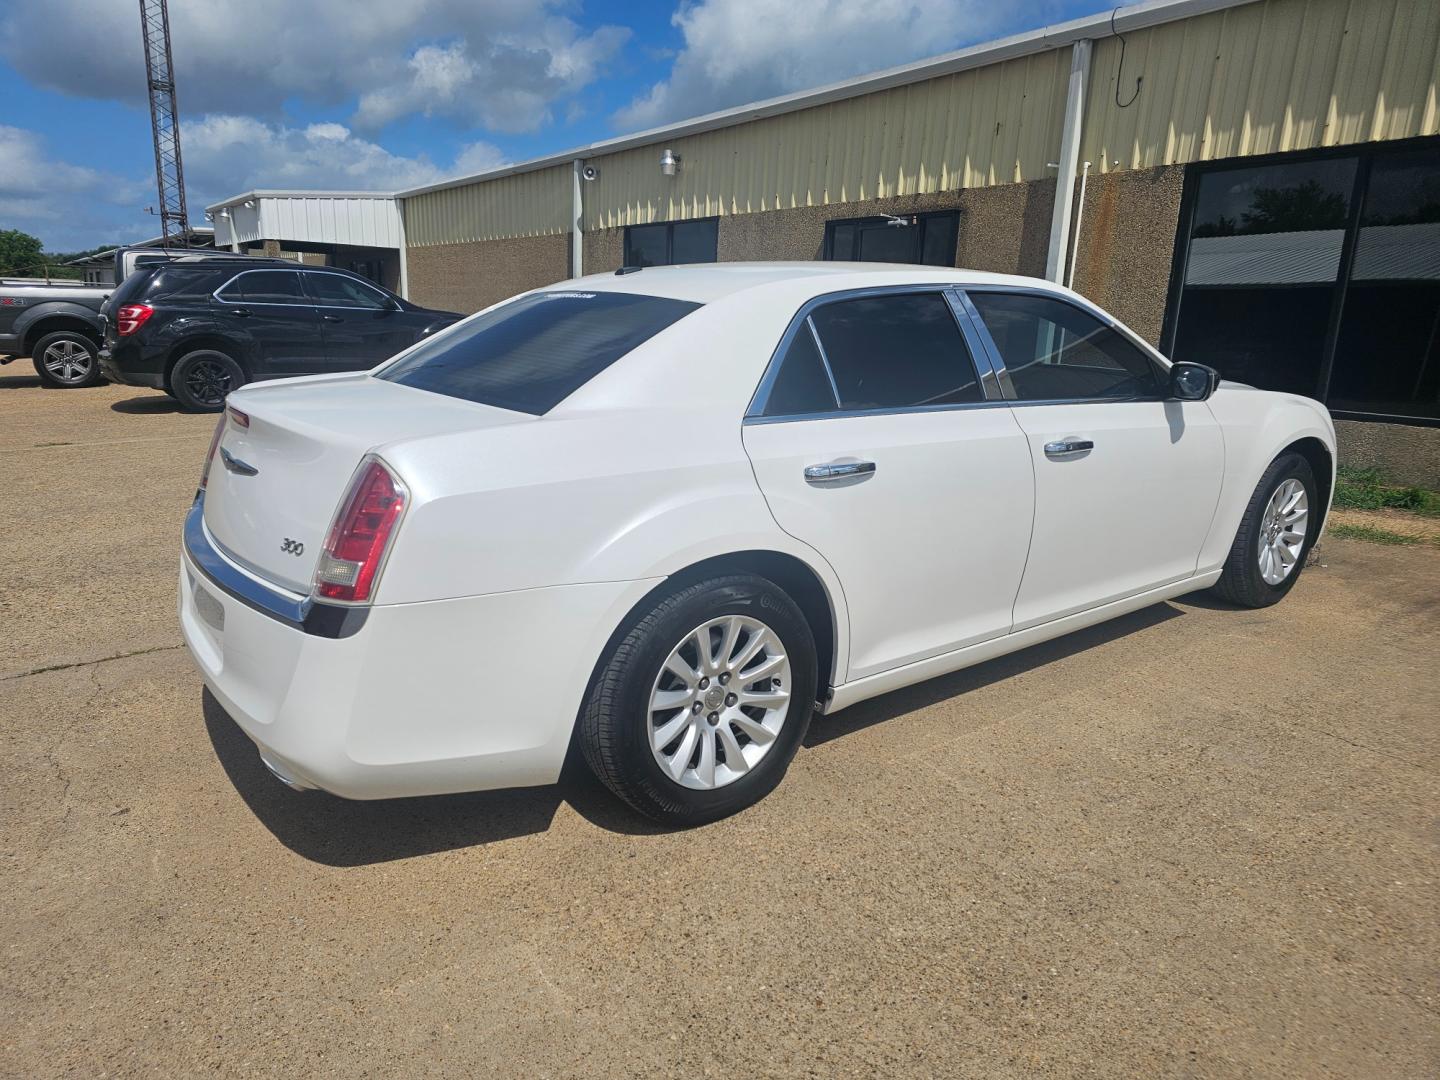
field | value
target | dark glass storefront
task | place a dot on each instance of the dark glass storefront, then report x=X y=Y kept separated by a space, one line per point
x=1317 y=273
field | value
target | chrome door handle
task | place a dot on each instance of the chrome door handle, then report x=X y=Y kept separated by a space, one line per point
x=1068 y=447
x=330 y=318
x=838 y=470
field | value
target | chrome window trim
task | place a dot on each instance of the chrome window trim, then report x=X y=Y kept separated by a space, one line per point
x=300 y=272
x=754 y=412
x=1079 y=304
x=959 y=406
x=825 y=362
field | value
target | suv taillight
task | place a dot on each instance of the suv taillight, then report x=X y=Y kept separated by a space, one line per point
x=361 y=533
x=130 y=317
x=209 y=457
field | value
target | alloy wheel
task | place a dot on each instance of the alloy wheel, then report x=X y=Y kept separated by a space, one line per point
x=1282 y=531
x=719 y=701
x=208 y=382
x=67 y=361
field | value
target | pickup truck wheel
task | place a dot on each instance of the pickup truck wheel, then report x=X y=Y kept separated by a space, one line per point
x=697 y=711
x=1274 y=537
x=201 y=379
x=67 y=359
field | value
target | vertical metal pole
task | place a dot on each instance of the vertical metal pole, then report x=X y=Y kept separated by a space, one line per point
x=577 y=219
x=1069 y=159
x=404 y=289
x=1079 y=213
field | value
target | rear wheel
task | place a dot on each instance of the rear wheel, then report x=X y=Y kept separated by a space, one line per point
x=698 y=710
x=67 y=359
x=201 y=380
x=1274 y=537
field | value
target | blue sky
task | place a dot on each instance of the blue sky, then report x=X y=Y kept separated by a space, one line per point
x=381 y=94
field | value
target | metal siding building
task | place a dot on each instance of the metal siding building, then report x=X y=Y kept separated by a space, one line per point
x=1145 y=104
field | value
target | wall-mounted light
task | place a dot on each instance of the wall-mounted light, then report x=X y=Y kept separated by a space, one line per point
x=209 y=216
x=249 y=204
x=225 y=213
x=669 y=163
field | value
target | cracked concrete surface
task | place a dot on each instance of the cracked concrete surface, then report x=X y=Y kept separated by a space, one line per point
x=1196 y=842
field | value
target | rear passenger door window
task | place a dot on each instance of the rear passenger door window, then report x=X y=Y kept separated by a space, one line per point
x=887 y=351
x=1055 y=351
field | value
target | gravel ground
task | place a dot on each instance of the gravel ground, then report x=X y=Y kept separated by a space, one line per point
x=1193 y=842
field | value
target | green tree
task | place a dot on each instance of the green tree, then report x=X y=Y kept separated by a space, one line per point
x=19 y=252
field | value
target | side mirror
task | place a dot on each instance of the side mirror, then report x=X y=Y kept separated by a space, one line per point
x=1192 y=382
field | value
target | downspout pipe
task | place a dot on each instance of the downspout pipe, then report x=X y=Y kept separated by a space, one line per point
x=404 y=289
x=1069 y=160
x=577 y=218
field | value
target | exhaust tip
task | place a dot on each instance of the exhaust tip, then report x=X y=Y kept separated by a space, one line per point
x=284 y=776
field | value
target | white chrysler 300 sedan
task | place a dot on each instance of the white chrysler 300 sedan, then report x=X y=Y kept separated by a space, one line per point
x=666 y=515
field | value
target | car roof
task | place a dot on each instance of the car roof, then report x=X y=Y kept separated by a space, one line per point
x=705 y=283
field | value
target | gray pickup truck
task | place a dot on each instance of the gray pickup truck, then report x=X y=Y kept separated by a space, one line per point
x=58 y=325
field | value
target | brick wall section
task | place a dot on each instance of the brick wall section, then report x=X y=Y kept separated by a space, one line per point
x=471 y=276
x=1126 y=241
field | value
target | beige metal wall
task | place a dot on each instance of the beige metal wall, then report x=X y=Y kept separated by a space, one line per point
x=1263 y=77
x=1272 y=76
x=994 y=125
x=523 y=204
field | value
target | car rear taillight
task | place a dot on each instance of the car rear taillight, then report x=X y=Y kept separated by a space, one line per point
x=210 y=456
x=130 y=317
x=356 y=546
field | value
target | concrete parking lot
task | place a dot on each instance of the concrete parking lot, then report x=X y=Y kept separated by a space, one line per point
x=1194 y=842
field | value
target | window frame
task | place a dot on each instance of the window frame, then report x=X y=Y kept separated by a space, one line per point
x=387 y=301
x=669 y=227
x=1366 y=155
x=997 y=360
x=827 y=250
x=304 y=296
x=990 y=385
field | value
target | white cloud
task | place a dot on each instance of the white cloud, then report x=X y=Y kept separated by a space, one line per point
x=65 y=204
x=738 y=51
x=500 y=63
x=225 y=155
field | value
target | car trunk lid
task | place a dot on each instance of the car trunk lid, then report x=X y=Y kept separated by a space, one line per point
x=275 y=483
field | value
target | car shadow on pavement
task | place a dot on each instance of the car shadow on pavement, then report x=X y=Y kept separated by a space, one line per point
x=340 y=832
x=147 y=405
x=899 y=702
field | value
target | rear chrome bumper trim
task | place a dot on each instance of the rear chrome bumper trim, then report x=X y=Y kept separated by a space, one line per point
x=321 y=620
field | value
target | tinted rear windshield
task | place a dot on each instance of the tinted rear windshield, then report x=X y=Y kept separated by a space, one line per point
x=531 y=354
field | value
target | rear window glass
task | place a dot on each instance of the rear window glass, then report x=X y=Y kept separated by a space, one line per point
x=531 y=354
x=168 y=282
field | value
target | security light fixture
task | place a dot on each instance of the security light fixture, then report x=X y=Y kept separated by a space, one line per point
x=669 y=163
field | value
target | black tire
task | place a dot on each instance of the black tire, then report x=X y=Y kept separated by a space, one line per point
x=201 y=379
x=615 y=721
x=67 y=359
x=1242 y=582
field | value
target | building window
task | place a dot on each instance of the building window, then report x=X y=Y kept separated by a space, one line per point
x=1317 y=274
x=928 y=239
x=671 y=243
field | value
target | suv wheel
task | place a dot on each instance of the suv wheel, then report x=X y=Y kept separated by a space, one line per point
x=201 y=379
x=699 y=708
x=67 y=359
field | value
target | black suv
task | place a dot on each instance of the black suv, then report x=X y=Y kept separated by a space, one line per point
x=198 y=328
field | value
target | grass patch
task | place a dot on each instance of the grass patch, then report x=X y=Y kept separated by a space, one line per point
x=1366 y=489
x=1370 y=533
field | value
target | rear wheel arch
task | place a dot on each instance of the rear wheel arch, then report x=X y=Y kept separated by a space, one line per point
x=790 y=573
x=50 y=324
x=215 y=342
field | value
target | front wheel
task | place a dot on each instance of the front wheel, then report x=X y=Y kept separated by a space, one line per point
x=201 y=380
x=698 y=710
x=67 y=359
x=1274 y=537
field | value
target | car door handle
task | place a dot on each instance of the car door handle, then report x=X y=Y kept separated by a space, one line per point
x=330 y=318
x=1068 y=447
x=837 y=470
x=240 y=312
